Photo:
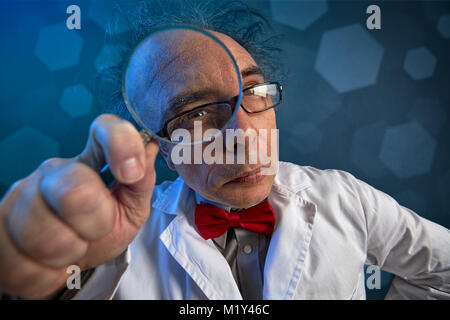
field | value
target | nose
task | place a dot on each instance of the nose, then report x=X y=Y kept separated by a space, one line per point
x=240 y=129
x=242 y=120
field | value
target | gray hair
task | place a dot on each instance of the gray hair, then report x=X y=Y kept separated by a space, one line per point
x=233 y=18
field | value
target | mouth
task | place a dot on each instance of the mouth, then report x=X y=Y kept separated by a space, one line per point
x=248 y=177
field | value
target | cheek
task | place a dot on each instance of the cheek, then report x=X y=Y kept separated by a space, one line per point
x=266 y=124
x=264 y=120
x=196 y=176
x=271 y=121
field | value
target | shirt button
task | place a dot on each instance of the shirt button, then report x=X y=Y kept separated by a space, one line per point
x=247 y=249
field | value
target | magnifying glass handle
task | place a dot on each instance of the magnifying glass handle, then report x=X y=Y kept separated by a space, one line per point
x=106 y=174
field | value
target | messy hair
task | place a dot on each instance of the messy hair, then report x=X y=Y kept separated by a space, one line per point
x=233 y=18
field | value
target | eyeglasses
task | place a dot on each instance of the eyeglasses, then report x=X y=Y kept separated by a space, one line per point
x=216 y=115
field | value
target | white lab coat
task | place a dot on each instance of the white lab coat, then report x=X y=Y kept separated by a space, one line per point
x=328 y=225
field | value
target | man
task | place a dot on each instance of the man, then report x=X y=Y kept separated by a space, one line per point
x=138 y=241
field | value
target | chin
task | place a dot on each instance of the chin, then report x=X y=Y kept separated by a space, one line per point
x=246 y=193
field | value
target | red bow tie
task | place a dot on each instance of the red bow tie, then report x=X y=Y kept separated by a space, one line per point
x=212 y=221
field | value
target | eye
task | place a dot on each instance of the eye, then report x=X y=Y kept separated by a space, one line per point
x=197 y=114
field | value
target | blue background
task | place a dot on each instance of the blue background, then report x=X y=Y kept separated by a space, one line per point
x=374 y=103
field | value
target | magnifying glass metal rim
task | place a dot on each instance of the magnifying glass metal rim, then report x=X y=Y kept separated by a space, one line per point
x=137 y=118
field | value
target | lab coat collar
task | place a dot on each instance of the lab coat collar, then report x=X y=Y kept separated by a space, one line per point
x=176 y=199
x=198 y=257
x=208 y=267
x=294 y=219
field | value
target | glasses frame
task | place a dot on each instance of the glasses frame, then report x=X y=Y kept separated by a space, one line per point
x=232 y=101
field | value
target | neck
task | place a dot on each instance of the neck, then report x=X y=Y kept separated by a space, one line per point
x=228 y=208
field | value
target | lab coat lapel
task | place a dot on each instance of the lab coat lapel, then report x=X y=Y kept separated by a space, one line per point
x=293 y=230
x=199 y=258
x=287 y=250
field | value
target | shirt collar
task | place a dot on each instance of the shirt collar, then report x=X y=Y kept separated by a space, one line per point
x=222 y=240
x=199 y=198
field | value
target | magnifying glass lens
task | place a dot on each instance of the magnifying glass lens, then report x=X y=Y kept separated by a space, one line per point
x=182 y=85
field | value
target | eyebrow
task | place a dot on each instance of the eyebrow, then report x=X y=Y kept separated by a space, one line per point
x=252 y=70
x=181 y=100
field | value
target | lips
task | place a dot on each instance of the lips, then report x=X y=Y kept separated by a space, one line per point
x=249 y=177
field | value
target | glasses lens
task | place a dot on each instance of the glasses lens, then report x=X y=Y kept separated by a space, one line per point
x=261 y=97
x=208 y=119
x=174 y=70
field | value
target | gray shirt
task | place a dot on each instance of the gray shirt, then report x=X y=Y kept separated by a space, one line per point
x=245 y=252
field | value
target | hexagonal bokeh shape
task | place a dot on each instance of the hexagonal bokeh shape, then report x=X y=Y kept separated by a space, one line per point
x=58 y=47
x=365 y=147
x=443 y=26
x=23 y=151
x=39 y=106
x=317 y=100
x=298 y=14
x=408 y=150
x=103 y=14
x=349 y=58
x=419 y=63
x=76 y=100
x=306 y=137
x=109 y=56
x=311 y=95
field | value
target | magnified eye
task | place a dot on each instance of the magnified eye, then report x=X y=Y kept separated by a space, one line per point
x=196 y=114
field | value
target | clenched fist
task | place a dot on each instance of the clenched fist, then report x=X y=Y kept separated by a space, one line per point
x=63 y=214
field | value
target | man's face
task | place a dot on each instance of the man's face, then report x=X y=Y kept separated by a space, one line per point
x=205 y=65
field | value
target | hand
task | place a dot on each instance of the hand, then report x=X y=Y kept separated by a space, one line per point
x=63 y=214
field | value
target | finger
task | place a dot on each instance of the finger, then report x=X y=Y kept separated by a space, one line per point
x=20 y=275
x=24 y=277
x=117 y=142
x=79 y=197
x=39 y=233
x=146 y=184
x=136 y=197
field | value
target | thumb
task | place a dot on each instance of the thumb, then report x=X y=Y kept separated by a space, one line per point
x=148 y=181
x=137 y=195
x=115 y=141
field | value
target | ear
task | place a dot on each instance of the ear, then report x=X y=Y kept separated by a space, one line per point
x=165 y=149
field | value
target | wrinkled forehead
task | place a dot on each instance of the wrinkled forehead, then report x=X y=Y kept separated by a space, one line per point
x=173 y=66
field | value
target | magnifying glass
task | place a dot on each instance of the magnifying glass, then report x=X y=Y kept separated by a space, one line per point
x=182 y=86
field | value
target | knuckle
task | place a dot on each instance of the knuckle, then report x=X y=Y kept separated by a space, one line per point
x=16 y=188
x=50 y=164
x=127 y=136
x=83 y=196
x=18 y=185
x=104 y=121
x=104 y=118
x=113 y=133
x=87 y=209
x=56 y=186
x=15 y=191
